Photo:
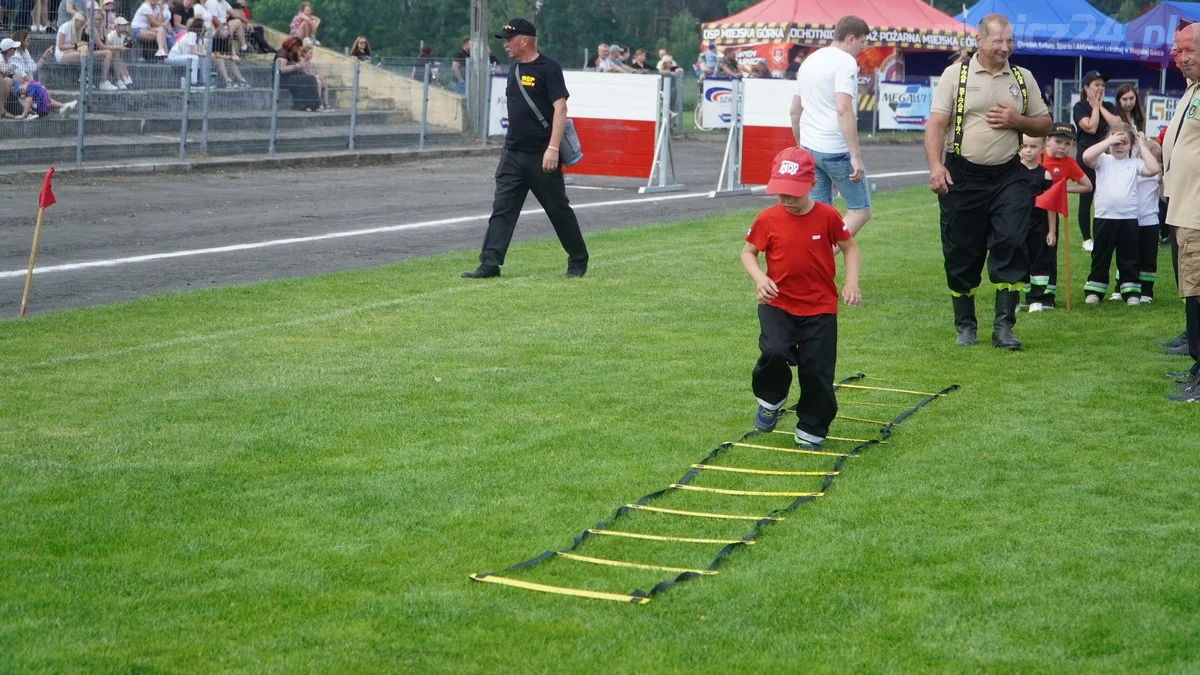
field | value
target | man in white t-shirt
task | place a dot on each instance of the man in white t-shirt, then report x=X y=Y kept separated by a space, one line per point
x=825 y=120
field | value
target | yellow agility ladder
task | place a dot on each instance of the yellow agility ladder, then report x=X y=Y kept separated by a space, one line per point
x=706 y=467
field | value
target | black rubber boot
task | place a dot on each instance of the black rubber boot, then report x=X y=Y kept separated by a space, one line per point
x=1006 y=318
x=964 y=320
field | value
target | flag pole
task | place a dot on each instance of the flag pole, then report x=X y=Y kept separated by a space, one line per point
x=1066 y=246
x=37 y=233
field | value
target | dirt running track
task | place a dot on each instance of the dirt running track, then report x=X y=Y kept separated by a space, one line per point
x=131 y=221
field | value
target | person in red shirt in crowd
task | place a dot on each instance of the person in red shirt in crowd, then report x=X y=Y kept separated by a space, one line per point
x=798 y=298
x=1042 y=242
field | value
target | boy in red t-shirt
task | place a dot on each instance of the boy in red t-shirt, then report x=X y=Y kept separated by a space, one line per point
x=798 y=299
x=1059 y=163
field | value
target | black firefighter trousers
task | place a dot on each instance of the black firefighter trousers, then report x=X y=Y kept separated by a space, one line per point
x=985 y=217
x=518 y=174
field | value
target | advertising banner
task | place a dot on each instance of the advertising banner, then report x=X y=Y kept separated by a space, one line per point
x=717 y=103
x=904 y=106
x=498 y=110
x=1159 y=110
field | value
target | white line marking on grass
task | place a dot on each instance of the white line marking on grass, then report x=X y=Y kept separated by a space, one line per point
x=232 y=248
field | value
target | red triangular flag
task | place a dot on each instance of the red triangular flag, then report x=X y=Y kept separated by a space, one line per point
x=1054 y=199
x=47 y=197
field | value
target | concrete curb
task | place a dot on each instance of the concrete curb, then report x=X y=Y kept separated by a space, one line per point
x=255 y=163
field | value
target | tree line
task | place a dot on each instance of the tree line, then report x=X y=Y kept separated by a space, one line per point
x=565 y=27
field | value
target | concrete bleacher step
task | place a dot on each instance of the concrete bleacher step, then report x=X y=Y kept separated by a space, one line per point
x=165 y=146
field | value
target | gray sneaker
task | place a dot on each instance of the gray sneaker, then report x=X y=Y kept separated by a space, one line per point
x=1189 y=395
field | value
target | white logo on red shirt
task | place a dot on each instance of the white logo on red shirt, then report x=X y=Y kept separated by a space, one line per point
x=816 y=237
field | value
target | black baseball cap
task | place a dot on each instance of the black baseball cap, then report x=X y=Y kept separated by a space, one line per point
x=516 y=27
x=1093 y=75
x=1062 y=129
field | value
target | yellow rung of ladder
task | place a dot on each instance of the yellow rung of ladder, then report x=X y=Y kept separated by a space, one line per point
x=763 y=472
x=859 y=419
x=795 y=451
x=747 y=493
x=560 y=590
x=622 y=563
x=658 y=537
x=898 y=391
x=700 y=514
x=894 y=406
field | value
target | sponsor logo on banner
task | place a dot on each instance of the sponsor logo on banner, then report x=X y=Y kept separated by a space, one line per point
x=904 y=106
x=718 y=103
x=1159 y=111
x=498 y=113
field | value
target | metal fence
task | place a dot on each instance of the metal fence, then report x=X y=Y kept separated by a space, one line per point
x=123 y=106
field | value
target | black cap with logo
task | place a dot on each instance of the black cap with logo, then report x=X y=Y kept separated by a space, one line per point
x=1062 y=129
x=1093 y=75
x=516 y=27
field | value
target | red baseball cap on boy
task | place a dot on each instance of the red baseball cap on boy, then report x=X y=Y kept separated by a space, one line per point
x=792 y=173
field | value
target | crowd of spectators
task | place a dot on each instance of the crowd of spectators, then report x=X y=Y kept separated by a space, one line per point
x=612 y=59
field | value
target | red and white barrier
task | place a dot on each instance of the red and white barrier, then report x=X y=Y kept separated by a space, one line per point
x=615 y=115
x=766 y=126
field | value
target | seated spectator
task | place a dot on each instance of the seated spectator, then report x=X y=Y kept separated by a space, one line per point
x=30 y=100
x=639 y=64
x=254 y=34
x=11 y=65
x=71 y=47
x=182 y=14
x=303 y=88
x=28 y=64
x=227 y=22
x=149 y=27
x=223 y=56
x=305 y=24
x=666 y=62
x=119 y=41
x=306 y=55
x=362 y=51
x=760 y=70
x=189 y=52
x=103 y=52
x=795 y=59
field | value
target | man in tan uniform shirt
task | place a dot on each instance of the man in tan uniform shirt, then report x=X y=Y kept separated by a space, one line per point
x=985 y=200
x=1181 y=187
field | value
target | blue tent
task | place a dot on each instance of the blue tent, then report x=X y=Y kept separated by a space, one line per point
x=1150 y=35
x=1060 y=28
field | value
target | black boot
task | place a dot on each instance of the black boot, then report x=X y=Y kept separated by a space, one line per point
x=964 y=320
x=1006 y=318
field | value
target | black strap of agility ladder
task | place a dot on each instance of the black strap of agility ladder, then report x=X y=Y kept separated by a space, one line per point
x=960 y=103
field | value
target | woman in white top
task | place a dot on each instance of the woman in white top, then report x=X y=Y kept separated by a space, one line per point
x=148 y=26
x=105 y=53
x=28 y=64
x=189 y=50
x=71 y=47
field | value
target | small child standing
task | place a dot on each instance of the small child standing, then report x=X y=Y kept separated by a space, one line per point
x=1059 y=161
x=1116 y=223
x=1042 y=227
x=1148 y=188
x=798 y=298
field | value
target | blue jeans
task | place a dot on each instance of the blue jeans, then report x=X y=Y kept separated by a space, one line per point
x=835 y=169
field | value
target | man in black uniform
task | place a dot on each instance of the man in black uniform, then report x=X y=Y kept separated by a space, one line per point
x=987 y=104
x=529 y=160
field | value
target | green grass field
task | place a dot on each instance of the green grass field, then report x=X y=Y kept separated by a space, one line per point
x=299 y=476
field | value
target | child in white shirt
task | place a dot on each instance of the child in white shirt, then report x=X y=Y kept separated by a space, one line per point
x=1148 y=189
x=1116 y=222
